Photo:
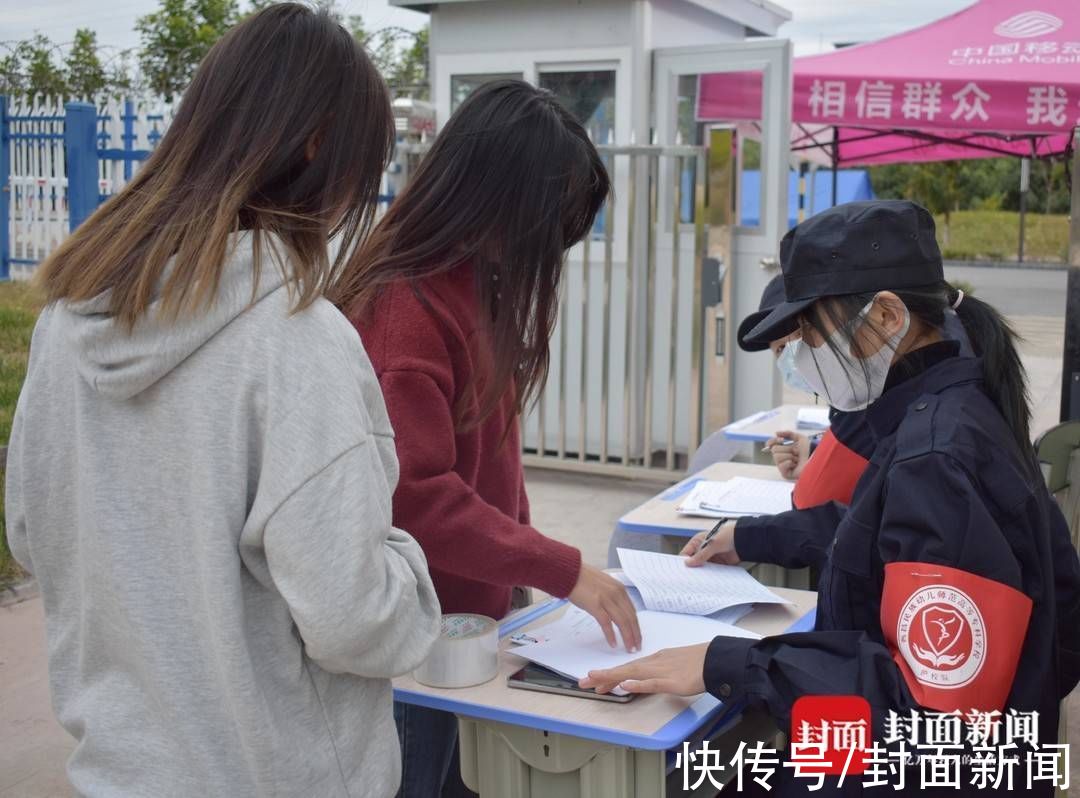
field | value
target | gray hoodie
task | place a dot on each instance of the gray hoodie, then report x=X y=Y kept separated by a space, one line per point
x=206 y=507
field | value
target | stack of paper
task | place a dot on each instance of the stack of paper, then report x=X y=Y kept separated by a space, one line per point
x=672 y=601
x=667 y=584
x=575 y=644
x=812 y=418
x=737 y=497
x=730 y=615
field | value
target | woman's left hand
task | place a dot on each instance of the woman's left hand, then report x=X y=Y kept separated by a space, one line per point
x=674 y=670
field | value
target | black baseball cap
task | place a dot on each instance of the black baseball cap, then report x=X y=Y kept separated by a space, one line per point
x=772 y=296
x=856 y=248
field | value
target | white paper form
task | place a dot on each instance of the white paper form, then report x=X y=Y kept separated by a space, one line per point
x=576 y=644
x=730 y=615
x=737 y=497
x=666 y=584
x=812 y=418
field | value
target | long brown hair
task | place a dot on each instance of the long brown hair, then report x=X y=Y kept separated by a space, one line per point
x=510 y=184
x=285 y=129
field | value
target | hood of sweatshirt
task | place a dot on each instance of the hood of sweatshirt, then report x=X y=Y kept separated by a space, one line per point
x=121 y=364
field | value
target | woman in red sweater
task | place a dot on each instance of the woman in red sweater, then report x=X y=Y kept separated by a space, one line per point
x=455 y=295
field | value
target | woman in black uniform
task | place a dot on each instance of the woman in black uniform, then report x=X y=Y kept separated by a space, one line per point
x=952 y=584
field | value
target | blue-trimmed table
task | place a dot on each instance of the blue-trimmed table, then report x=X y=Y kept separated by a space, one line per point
x=759 y=427
x=517 y=743
x=658 y=517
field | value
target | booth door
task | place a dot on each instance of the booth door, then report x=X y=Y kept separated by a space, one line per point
x=745 y=189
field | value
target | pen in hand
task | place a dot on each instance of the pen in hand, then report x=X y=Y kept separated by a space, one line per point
x=712 y=533
x=782 y=442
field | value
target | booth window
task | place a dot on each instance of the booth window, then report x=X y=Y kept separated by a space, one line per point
x=461 y=86
x=589 y=96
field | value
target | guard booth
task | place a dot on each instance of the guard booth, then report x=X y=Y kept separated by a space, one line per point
x=643 y=360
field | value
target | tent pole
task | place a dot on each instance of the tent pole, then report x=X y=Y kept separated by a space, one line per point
x=1070 y=371
x=835 y=160
x=802 y=193
x=1025 y=184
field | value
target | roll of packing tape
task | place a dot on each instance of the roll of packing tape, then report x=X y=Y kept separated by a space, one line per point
x=466 y=653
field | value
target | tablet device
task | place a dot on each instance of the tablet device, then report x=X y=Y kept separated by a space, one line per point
x=536 y=677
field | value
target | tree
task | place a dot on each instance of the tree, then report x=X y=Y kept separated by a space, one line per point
x=85 y=74
x=410 y=74
x=404 y=69
x=936 y=186
x=381 y=45
x=177 y=36
x=121 y=77
x=12 y=76
x=981 y=183
x=44 y=77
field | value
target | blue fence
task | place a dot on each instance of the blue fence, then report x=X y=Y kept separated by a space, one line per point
x=59 y=161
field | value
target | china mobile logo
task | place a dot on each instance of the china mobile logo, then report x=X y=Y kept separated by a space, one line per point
x=1029 y=24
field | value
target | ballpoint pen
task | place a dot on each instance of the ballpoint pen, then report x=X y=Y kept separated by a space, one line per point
x=712 y=534
x=782 y=442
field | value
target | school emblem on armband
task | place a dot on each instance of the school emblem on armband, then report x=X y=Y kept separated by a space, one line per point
x=941 y=635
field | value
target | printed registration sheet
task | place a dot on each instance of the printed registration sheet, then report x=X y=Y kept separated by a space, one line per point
x=668 y=585
x=737 y=497
x=730 y=615
x=574 y=644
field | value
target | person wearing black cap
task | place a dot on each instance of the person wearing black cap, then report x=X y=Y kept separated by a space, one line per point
x=952 y=584
x=841 y=455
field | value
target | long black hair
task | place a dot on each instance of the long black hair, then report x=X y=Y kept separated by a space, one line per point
x=510 y=184
x=286 y=128
x=992 y=339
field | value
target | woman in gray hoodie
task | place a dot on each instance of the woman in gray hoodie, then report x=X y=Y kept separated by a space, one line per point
x=201 y=466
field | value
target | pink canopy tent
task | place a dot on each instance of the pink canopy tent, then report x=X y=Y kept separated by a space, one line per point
x=998 y=78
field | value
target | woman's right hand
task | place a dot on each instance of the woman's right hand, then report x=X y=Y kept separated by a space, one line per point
x=605 y=599
x=721 y=548
x=789 y=458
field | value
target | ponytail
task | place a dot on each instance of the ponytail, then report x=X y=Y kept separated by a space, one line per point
x=994 y=341
x=991 y=338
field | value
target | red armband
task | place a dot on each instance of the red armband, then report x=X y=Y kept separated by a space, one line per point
x=829 y=475
x=955 y=636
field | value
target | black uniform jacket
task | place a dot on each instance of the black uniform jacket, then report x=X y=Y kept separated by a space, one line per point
x=950 y=583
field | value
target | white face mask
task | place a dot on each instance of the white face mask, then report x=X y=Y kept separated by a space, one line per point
x=848 y=383
x=785 y=364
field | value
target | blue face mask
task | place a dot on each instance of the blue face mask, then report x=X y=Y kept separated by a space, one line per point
x=785 y=364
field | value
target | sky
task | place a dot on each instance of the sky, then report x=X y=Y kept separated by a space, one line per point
x=816 y=25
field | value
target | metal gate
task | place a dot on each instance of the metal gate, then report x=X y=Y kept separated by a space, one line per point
x=624 y=392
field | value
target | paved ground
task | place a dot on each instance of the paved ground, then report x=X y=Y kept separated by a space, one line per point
x=578 y=510
x=1037 y=313
x=33 y=746
x=1043 y=291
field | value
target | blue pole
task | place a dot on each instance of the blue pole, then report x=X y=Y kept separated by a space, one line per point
x=5 y=190
x=80 y=147
x=129 y=136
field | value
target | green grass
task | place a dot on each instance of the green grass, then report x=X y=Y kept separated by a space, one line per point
x=19 y=306
x=993 y=235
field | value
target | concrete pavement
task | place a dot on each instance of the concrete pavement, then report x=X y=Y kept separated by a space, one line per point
x=1042 y=294
x=33 y=746
x=576 y=509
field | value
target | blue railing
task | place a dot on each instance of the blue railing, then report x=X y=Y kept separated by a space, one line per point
x=56 y=168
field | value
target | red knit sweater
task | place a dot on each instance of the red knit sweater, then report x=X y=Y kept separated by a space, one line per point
x=461 y=493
